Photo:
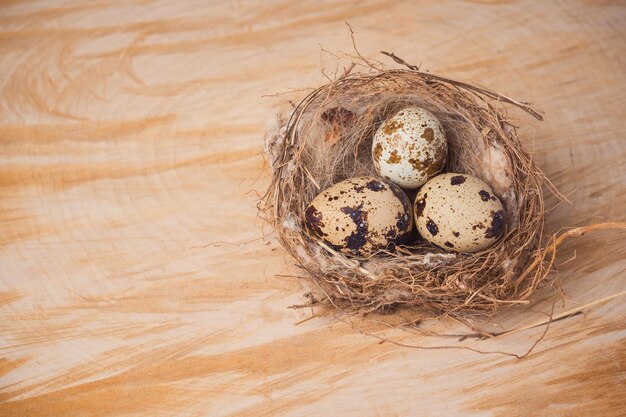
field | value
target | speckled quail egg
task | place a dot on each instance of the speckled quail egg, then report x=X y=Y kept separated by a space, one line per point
x=360 y=215
x=410 y=147
x=459 y=212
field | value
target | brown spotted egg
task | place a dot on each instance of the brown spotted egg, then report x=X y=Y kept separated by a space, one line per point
x=360 y=215
x=459 y=212
x=410 y=147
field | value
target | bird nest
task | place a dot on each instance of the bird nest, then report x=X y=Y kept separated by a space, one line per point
x=328 y=138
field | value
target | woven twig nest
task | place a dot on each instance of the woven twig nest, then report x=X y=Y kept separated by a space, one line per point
x=328 y=138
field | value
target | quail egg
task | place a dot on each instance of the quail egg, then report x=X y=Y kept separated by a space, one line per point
x=360 y=215
x=459 y=212
x=410 y=147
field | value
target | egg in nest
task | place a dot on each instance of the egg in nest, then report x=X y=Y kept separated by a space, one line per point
x=360 y=215
x=459 y=212
x=410 y=147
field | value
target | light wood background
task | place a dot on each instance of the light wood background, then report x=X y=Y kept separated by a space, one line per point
x=131 y=147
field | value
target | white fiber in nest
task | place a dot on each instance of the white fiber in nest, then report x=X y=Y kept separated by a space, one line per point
x=274 y=136
x=319 y=258
x=506 y=264
x=292 y=223
x=435 y=259
x=495 y=169
x=302 y=253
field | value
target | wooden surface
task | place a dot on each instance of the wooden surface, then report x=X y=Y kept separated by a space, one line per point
x=131 y=137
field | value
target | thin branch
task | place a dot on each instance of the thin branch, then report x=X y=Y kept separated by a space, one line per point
x=573 y=233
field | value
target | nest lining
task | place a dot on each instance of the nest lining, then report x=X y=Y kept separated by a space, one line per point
x=328 y=138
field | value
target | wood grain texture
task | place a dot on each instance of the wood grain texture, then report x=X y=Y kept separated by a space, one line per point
x=132 y=279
